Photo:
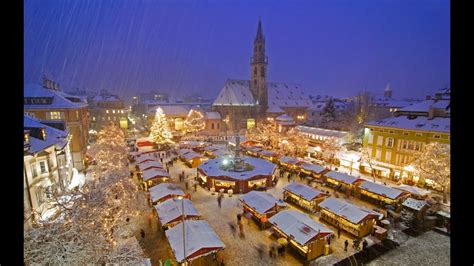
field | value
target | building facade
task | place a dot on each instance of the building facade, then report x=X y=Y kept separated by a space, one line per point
x=393 y=143
x=47 y=166
x=60 y=110
x=105 y=108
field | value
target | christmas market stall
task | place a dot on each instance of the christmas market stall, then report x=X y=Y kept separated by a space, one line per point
x=153 y=177
x=193 y=159
x=240 y=175
x=142 y=158
x=149 y=165
x=415 y=192
x=313 y=171
x=209 y=151
x=353 y=219
x=341 y=180
x=380 y=193
x=170 y=212
x=164 y=191
x=269 y=155
x=304 y=234
x=261 y=205
x=289 y=163
x=415 y=209
x=197 y=245
x=304 y=196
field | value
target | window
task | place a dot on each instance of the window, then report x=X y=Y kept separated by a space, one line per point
x=34 y=171
x=107 y=111
x=93 y=118
x=436 y=136
x=39 y=196
x=77 y=114
x=404 y=144
x=260 y=47
x=212 y=125
x=30 y=114
x=391 y=131
x=54 y=115
x=389 y=142
x=379 y=140
x=419 y=134
x=113 y=111
x=410 y=145
x=108 y=118
x=405 y=133
x=103 y=118
x=43 y=167
x=262 y=72
x=378 y=154
x=388 y=156
x=371 y=138
x=218 y=125
x=255 y=71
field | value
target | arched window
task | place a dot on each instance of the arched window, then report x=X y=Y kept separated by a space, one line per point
x=260 y=47
x=255 y=71
x=255 y=82
x=262 y=72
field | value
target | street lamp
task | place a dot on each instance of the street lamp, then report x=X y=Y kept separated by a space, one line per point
x=184 y=235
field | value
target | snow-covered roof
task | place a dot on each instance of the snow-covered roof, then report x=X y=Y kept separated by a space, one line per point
x=235 y=93
x=184 y=151
x=260 y=201
x=164 y=189
x=392 y=103
x=145 y=158
x=306 y=192
x=171 y=209
x=213 y=115
x=106 y=98
x=192 y=155
x=275 y=109
x=298 y=225
x=198 y=234
x=146 y=149
x=420 y=123
x=414 y=190
x=285 y=118
x=287 y=95
x=391 y=193
x=54 y=99
x=54 y=136
x=341 y=177
x=353 y=213
x=261 y=167
x=267 y=153
x=154 y=172
x=289 y=160
x=171 y=110
x=415 y=204
x=322 y=131
x=424 y=106
x=149 y=164
x=312 y=167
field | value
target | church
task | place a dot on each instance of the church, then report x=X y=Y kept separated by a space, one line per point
x=243 y=103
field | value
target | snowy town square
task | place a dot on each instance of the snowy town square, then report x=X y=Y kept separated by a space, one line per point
x=183 y=133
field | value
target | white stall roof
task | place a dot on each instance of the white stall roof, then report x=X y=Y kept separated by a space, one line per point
x=391 y=193
x=198 y=234
x=414 y=204
x=143 y=158
x=164 y=189
x=298 y=225
x=312 y=167
x=267 y=153
x=261 y=201
x=414 y=190
x=289 y=160
x=172 y=209
x=261 y=167
x=350 y=212
x=146 y=165
x=304 y=191
x=192 y=155
x=184 y=151
x=154 y=172
x=341 y=177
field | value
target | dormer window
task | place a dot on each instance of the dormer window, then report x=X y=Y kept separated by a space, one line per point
x=26 y=137
x=43 y=133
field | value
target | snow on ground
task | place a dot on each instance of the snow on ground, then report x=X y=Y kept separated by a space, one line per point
x=430 y=248
x=78 y=179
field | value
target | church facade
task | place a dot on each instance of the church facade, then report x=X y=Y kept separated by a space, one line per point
x=243 y=103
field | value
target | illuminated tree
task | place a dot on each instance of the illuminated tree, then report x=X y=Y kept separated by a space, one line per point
x=365 y=157
x=160 y=131
x=435 y=163
x=298 y=144
x=331 y=146
x=265 y=133
x=194 y=122
x=110 y=150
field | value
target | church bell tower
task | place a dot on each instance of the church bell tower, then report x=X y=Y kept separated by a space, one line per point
x=258 y=68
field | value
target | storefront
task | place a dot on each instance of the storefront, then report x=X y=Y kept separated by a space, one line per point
x=342 y=181
x=353 y=219
x=262 y=206
x=289 y=163
x=304 y=196
x=153 y=177
x=304 y=234
x=313 y=170
x=170 y=212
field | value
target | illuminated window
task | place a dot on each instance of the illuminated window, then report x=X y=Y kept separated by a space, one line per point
x=43 y=167
x=108 y=118
x=419 y=134
x=250 y=123
x=107 y=111
x=55 y=115
x=389 y=142
x=388 y=156
x=405 y=133
x=93 y=118
x=113 y=111
x=27 y=137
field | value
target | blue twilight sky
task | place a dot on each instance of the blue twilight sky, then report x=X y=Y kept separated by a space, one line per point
x=330 y=47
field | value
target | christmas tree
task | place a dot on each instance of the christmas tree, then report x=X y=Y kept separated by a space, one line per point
x=160 y=131
x=194 y=121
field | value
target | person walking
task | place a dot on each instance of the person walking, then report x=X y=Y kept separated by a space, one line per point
x=241 y=230
x=239 y=217
x=219 y=201
x=346 y=243
x=232 y=228
x=195 y=185
x=186 y=185
x=260 y=248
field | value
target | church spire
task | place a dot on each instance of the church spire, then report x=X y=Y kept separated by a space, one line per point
x=259 y=30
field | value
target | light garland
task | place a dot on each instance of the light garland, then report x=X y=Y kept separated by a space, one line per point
x=194 y=121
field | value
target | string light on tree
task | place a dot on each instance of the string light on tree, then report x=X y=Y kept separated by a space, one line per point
x=194 y=121
x=160 y=131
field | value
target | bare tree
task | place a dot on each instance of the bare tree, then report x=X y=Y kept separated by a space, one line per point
x=365 y=157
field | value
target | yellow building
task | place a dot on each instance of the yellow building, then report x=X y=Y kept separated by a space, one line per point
x=393 y=143
x=106 y=108
x=60 y=110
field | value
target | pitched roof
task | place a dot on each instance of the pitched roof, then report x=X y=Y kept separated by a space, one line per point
x=298 y=225
x=322 y=131
x=261 y=201
x=198 y=234
x=162 y=190
x=306 y=192
x=213 y=115
x=172 y=209
x=312 y=167
x=415 y=204
x=341 y=177
x=54 y=136
x=235 y=93
x=425 y=106
x=382 y=190
x=350 y=212
x=154 y=172
x=421 y=123
x=171 y=110
x=56 y=99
